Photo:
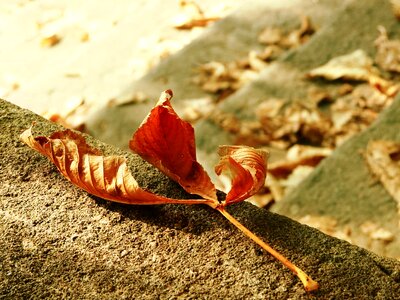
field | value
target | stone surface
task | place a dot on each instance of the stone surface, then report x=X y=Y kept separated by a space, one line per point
x=57 y=241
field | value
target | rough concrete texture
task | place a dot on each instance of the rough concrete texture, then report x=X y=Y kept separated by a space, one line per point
x=59 y=242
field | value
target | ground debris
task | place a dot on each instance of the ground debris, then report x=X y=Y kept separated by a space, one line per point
x=287 y=172
x=50 y=41
x=192 y=16
x=354 y=66
x=275 y=36
x=387 y=52
x=383 y=159
x=225 y=78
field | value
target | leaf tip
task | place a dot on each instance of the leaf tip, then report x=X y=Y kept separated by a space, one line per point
x=169 y=93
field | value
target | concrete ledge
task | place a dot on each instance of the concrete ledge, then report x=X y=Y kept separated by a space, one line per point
x=57 y=241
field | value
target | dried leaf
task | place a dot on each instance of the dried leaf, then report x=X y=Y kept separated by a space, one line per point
x=296 y=177
x=299 y=36
x=196 y=109
x=85 y=37
x=72 y=115
x=375 y=232
x=270 y=36
x=383 y=158
x=50 y=41
x=274 y=36
x=297 y=156
x=387 y=52
x=193 y=16
x=247 y=169
x=168 y=143
x=354 y=66
x=189 y=24
x=225 y=78
x=396 y=8
x=105 y=177
x=269 y=108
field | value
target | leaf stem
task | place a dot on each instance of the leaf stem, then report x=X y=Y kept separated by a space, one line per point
x=209 y=202
x=309 y=284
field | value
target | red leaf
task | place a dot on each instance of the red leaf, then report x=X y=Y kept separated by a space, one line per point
x=246 y=166
x=168 y=143
x=107 y=177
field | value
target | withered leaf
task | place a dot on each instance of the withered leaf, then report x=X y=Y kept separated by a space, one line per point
x=106 y=177
x=387 y=52
x=196 y=23
x=354 y=66
x=50 y=41
x=247 y=169
x=297 y=156
x=168 y=143
x=383 y=159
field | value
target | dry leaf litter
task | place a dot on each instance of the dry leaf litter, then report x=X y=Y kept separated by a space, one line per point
x=302 y=133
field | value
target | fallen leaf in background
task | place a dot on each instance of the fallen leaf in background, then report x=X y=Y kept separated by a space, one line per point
x=85 y=36
x=138 y=97
x=288 y=172
x=167 y=142
x=296 y=177
x=355 y=111
x=383 y=159
x=50 y=41
x=387 y=55
x=282 y=125
x=376 y=233
x=301 y=35
x=227 y=121
x=270 y=36
x=73 y=114
x=354 y=66
x=197 y=23
x=396 y=8
x=196 y=109
x=296 y=156
x=225 y=78
x=275 y=36
x=270 y=109
x=193 y=16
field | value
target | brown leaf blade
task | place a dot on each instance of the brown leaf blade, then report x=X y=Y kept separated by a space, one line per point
x=105 y=177
x=168 y=143
x=383 y=159
x=247 y=169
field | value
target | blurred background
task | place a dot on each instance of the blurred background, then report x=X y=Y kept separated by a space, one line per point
x=57 y=55
x=306 y=80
